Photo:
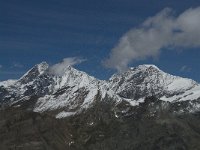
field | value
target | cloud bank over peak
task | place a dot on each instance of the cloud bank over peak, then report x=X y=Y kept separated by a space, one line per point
x=163 y=30
x=60 y=68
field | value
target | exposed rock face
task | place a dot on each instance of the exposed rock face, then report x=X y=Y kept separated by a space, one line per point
x=149 y=126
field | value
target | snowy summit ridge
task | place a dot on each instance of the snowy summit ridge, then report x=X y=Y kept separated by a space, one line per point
x=73 y=90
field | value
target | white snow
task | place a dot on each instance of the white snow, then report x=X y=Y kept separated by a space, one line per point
x=64 y=114
x=8 y=83
x=155 y=82
x=191 y=94
x=74 y=81
x=134 y=102
x=42 y=67
x=145 y=66
x=180 y=84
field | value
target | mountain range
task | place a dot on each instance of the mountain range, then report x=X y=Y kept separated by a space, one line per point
x=141 y=108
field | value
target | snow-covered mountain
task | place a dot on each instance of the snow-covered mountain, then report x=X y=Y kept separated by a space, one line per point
x=74 y=91
x=147 y=80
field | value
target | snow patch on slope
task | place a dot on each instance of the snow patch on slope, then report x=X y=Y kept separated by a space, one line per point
x=180 y=84
x=64 y=114
x=8 y=83
x=191 y=94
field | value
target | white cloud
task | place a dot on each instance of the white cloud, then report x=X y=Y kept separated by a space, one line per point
x=59 y=68
x=164 y=30
x=1 y=66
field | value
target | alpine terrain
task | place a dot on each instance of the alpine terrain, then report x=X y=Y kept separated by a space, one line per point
x=143 y=108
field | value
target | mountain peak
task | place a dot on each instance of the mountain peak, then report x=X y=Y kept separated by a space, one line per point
x=39 y=68
x=145 y=67
x=43 y=66
x=34 y=72
x=148 y=66
x=141 y=69
x=147 y=80
x=61 y=69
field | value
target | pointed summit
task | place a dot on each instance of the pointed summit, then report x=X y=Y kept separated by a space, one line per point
x=34 y=72
x=42 y=67
x=148 y=66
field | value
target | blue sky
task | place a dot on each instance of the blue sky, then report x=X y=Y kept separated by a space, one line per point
x=32 y=31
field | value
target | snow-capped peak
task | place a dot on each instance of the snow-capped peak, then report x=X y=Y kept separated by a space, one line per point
x=73 y=90
x=34 y=72
x=42 y=67
x=146 y=80
x=72 y=76
x=146 y=66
